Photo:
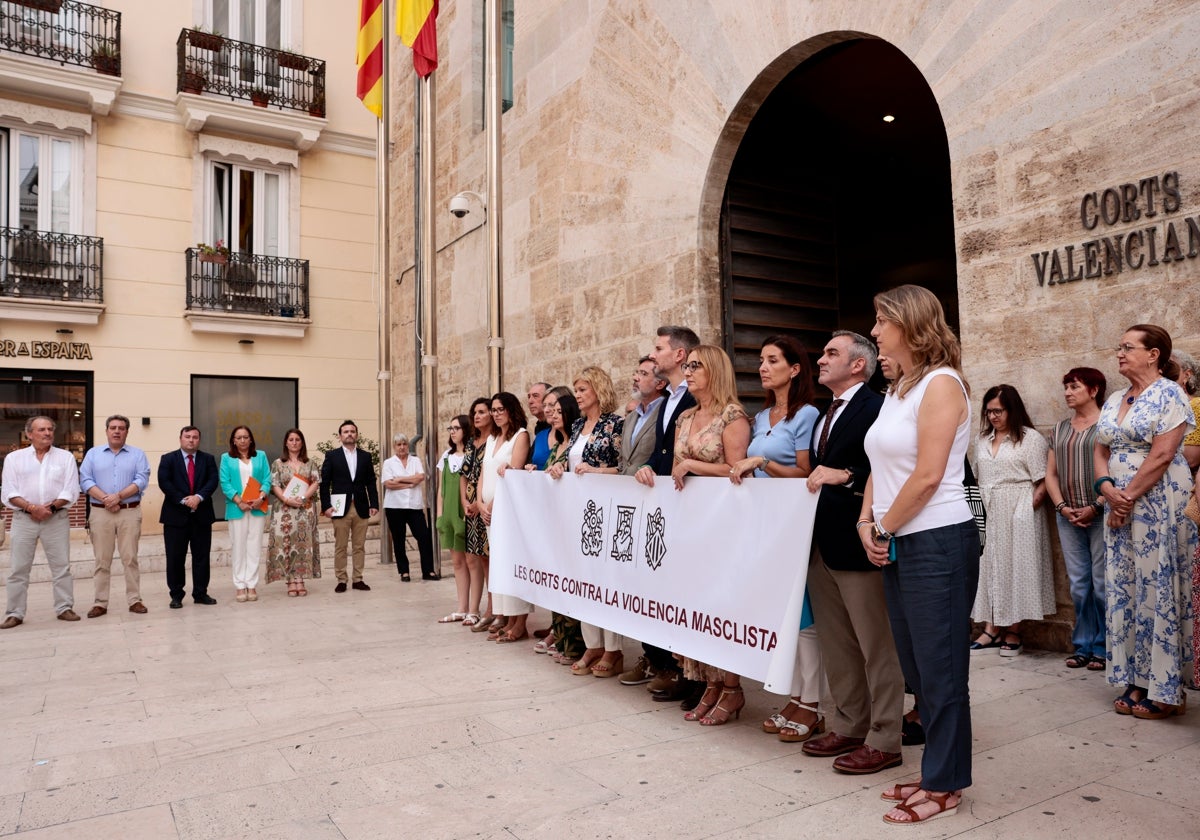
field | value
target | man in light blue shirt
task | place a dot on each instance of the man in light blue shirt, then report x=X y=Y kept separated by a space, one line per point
x=114 y=477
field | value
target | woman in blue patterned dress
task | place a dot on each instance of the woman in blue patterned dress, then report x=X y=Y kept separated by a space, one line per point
x=1145 y=481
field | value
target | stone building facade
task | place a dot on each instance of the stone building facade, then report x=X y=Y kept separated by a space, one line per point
x=638 y=128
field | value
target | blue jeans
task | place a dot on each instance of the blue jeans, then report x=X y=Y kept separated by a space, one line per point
x=930 y=590
x=1083 y=555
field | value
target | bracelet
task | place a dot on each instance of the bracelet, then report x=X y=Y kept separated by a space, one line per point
x=1099 y=482
x=1098 y=507
x=1058 y=507
x=858 y=525
x=880 y=535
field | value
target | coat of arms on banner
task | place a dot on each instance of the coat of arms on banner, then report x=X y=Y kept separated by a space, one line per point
x=622 y=550
x=656 y=538
x=591 y=540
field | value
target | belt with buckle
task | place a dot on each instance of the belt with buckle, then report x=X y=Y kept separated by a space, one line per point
x=122 y=506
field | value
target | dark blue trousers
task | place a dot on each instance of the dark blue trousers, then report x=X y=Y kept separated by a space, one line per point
x=930 y=590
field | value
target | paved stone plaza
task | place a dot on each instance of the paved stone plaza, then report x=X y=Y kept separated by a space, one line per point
x=356 y=716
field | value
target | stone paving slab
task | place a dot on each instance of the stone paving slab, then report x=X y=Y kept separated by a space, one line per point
x=356 y=715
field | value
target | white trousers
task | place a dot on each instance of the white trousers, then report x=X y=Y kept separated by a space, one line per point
x=808 y=679
x=595 y=637
x=246 y=535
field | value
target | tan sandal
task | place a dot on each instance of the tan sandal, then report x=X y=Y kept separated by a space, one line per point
x=928 y=797
x=604 y=669
x=900 y=791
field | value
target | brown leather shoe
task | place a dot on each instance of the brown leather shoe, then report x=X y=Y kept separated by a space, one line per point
x=10 y=622
x=68 y=615
x=866 y=760
x=831 y=745
x=664 y=681
x=138 y=608
x=97 y=611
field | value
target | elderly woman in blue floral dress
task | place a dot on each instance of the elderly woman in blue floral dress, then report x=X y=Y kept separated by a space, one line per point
x=1145 y=480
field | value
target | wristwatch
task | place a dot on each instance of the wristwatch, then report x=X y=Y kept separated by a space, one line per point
x=54 y=508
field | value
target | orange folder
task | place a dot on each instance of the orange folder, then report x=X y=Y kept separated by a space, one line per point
x=253 y=494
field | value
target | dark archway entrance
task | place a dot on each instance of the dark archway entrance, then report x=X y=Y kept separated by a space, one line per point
x=826 y=203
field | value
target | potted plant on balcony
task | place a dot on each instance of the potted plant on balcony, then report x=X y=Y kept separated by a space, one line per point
x=316 y=108
x=106 y=58
x=241 y=276
x=218 y=253
x=30 y=256
x=292 y=61
x=204 y=40
x=260 y=97
x=52 y=6
x=193 y=78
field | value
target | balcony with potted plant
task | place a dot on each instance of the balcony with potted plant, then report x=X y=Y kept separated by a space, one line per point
x=218 y=78
x=48 y=276
x=245 y=294
x=61 y=50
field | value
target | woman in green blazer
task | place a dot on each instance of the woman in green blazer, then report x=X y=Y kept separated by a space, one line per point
x=245 y=508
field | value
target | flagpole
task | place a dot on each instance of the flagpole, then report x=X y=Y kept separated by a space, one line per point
x=427 y=278
x=383 y=319
x=495 y=202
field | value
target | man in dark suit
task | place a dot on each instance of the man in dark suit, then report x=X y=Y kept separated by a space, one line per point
x=865 y=684
x=671 y=347
x=348 y=471
x=188 y=478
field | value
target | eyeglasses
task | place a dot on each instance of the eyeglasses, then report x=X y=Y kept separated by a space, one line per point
x=1127 y=348
x=692 y=367
x=499 y=411
x=995 y=412
x=454 y=428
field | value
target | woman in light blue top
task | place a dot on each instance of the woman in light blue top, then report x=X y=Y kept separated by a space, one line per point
x=245 y=513
x=779 y=449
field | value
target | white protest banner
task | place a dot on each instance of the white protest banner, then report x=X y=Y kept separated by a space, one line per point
x=715 y=571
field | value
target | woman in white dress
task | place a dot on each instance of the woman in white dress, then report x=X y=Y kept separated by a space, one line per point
x=1015 y=579
x=509 y=447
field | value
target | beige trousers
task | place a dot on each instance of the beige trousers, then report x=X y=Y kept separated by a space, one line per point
x=120 y=530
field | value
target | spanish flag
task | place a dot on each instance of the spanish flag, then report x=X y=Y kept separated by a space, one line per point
x=370 y=55
x=416 y=24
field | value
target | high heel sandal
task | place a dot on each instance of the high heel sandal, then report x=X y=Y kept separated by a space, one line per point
x=712 y=696
x=604 y=669
x=720 y=715
x=794 y=732
x=292 y=593
x=583 y=667
x=300 y=590
x=1124 y=704
x=1154 y=710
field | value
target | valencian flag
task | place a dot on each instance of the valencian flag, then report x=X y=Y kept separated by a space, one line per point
x=370 y=55
x=416 y=25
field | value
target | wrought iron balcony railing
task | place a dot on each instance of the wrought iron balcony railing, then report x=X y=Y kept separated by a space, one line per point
x=210 y=63
x=252 y=284
x=65 y=31
x=51 y=266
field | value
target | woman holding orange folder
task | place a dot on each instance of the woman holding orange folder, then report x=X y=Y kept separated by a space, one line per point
x=293 y=552
x=245 y=481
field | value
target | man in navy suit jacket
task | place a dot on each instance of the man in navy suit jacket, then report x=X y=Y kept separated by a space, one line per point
x=360 y=488
x=187 y=515
x=846 y=589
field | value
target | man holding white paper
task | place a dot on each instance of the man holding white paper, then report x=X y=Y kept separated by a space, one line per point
x=349 y=496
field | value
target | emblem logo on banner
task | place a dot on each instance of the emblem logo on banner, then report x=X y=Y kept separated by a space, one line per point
x=592 y=533
x=656 y=538
x=622 y=550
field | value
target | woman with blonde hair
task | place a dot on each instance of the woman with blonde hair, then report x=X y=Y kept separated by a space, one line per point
x=710 y=439
x=916 y=525
x=595 y=447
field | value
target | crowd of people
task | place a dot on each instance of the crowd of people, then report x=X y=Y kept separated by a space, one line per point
x=901 y=566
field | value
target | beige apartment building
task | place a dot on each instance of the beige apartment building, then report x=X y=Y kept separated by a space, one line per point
x=754 y=167
x=130 y=133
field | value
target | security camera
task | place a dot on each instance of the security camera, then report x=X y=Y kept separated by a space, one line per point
x=460 y=205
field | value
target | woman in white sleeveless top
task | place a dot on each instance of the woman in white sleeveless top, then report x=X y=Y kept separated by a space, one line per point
x=509 y=447
x=916 y=525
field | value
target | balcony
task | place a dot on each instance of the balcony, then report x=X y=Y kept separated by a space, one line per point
x=48 y=276
x=247 y=294
x=217 y=77
x=61 y=49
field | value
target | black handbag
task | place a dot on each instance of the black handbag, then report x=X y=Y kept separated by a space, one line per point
x=975 y=501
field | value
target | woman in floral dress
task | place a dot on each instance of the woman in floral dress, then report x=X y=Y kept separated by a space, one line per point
x=293 y=552
x=1141 y=471
x=710 y=439
x=468 y=484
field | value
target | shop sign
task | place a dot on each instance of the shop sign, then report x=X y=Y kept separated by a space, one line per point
x=46 y=349
x=1111 y=252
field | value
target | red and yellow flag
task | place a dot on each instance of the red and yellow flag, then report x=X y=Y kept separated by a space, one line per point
x=416 y=24
x=370 y=55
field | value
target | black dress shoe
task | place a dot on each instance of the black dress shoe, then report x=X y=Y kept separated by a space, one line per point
x=341 y=587
x=360 y=585
x=431 y=577
x=207 y=600
x=176 y=604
